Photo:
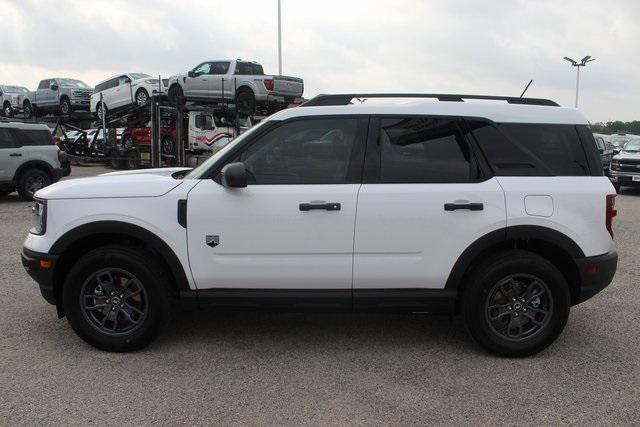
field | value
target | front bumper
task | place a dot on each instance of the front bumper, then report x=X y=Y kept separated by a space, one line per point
x=624 y=178
x=596 y=273
x=40 y=267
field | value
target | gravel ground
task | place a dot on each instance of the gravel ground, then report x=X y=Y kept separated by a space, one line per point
x=256 y=368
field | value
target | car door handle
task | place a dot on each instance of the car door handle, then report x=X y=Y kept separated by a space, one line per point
x=320 y=206
x=467 y=206
x=15 y=155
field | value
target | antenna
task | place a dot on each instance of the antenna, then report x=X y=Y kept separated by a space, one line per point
x=527 y=87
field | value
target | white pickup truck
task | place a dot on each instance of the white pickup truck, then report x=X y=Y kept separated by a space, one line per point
x=237 y=81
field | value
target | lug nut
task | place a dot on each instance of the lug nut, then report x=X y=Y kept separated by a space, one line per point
x=515 y=314
x=108 y=301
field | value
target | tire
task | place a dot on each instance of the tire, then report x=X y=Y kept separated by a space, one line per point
x=176 y=95
x=31 y=181
x=7 y=111
x=133 y=160
x=246 y=103
x=129 y=323
x=142 y=97
x=494 y=283
x=114 y=160
x=65 y=107
x=168 y=145
x=27 y=109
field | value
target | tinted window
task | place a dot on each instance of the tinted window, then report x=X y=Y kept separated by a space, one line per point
x=314 y=151
x=44 y=84
x=531 y=149
x=6 y=138
x=424 y=150
x=248 y=68
x=33 y=137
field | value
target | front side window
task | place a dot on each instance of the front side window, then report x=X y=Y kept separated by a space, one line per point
x=312 y=151
x=123 y=80
x=202 y=68
x=204 y=122
x=424 y=150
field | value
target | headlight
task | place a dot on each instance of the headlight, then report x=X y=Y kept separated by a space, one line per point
x=615 y=164
x=39 y=217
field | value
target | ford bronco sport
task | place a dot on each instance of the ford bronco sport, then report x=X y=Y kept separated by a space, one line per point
x=493 y=208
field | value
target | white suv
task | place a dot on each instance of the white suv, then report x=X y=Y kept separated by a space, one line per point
x=494 y=208
x=122 y=91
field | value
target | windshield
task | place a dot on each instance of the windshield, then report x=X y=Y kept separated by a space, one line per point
x=199 y=172
x=618 y=142
x=632 y=147
x=15 y=89
x=72 y=83
x=136 y=76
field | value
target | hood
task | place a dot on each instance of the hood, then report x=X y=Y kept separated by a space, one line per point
x=156 y=171
x=626 y=155
x=105 y=186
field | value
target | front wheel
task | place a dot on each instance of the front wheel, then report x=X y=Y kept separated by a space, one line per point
x=27 y=110
x=516 y=303
x=142 y=97
x=7 y=111
x=117 y=298
x=31 y=181
x=65 y=107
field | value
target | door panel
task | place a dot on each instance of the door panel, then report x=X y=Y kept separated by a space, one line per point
x=266 y=241
x=406 y=239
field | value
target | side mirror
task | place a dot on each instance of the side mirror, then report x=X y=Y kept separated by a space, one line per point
x=54 y=87
x=234 y=175
x=127 y=80
x=191 y=74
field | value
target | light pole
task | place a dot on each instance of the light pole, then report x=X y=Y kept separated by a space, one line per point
x=583 y=62
x=279 y=41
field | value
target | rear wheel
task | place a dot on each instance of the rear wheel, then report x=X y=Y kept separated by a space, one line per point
x=176 y=95
x=246 y=103
x=27 y=109
x=7 y=111
x=31 y=181
x=168 y=145
x=117 y=298
x=133 y=160
x=516 y=303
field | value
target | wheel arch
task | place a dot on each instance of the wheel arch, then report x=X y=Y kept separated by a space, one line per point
x=71 y=245
x=556 y=247
x=33 y=164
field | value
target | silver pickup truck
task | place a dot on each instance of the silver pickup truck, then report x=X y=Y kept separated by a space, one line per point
x=237 y=81
x=11 y=99
x=57 y=95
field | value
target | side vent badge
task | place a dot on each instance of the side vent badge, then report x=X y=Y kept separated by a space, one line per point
x=212 y=240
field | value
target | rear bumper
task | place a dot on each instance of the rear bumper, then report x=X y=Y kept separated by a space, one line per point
x=596 y=273
x=42 y=276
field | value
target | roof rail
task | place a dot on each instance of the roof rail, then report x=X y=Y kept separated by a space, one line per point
x=345 y=99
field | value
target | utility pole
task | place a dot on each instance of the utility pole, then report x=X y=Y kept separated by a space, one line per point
x=583 y=62
x=279 y=40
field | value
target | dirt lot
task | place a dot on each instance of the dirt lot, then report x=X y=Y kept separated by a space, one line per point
x=252 y=368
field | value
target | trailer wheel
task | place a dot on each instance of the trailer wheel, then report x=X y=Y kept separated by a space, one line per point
x=27 y=110
x=245 y=102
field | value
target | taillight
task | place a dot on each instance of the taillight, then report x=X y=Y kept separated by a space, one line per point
x=268 y=83
x=611 y=212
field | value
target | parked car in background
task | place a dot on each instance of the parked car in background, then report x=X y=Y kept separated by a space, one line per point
x=625 y=166
x=241 y=82
x=11 y=98
x=57 y=95
x=618 y=140
x=208 y=132
x=29 y=159
x=605 y=149
x=123 y=90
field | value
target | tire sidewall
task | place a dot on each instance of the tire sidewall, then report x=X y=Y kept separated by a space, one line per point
x=247 y=97
x=145 y=270
x=491 y=273
x=22 y=190
x=63 y=102
x=138 y=94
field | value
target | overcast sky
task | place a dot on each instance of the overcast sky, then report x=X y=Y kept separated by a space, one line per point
x=455 y=46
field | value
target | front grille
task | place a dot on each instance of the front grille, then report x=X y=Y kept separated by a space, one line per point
x=83 y=95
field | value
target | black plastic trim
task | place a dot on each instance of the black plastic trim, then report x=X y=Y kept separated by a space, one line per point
x=182 y=213
x=44 y=277
x=345 y=99
x=591 y=284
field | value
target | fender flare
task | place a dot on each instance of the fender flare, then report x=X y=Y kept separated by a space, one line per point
x=35 y=164
x=126 y=229
x=514 y=233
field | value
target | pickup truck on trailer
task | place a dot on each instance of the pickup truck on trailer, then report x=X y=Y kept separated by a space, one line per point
x=241 y=82
x=11 y=99
x=61 y=95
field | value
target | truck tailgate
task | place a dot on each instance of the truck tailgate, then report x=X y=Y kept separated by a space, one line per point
x=284 y=85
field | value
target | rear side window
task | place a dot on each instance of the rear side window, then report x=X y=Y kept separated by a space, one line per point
x=6 y=138
x=44 y=84
x=424 y=150
x=524 y=149
x=28 y=137
x=249 y=69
